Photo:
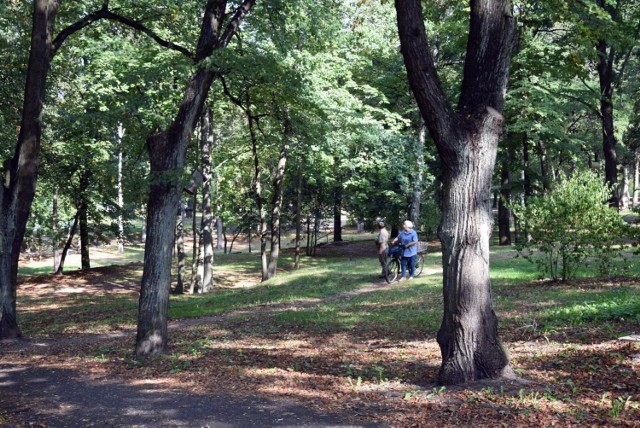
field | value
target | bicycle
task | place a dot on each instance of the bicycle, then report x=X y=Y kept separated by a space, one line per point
x=393 y=267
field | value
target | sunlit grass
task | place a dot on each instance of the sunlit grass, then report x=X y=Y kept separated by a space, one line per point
x=338 y=294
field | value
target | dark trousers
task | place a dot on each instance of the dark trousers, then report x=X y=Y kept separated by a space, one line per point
x=383 y=261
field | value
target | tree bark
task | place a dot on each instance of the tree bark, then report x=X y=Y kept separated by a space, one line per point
x=416 y=195
x=296 y=263
x=195 y=285
x=67 y=245
x=257 y=191
x=276 y=204
x=54 y=229
x=207 y=215
x=167 y=152
x=467 y=142
x=219 y=238
x=605 y=74
x=85 y=261
x=337 y=213
x=545 y=170
x=624 y=193
x=180 y=249
x=636 y=178
x=21 y=171
x=120 y=193
x=504 y=213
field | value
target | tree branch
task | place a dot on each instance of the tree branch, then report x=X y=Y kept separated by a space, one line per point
x=228 y=93
x=105 y=13
x=238 y=16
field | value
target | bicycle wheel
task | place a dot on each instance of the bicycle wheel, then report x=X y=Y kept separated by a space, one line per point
x=393 y=270
x=419 y=265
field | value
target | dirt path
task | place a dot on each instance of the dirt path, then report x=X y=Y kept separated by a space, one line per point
x=43 y=397
x=47 y=397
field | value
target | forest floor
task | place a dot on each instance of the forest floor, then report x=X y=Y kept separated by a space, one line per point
x=241 y=367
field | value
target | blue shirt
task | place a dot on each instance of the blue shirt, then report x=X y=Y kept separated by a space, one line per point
x=407 y=237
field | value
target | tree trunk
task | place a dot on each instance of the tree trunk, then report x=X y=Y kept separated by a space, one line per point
x=468 y=336
x=296 y=262
x=67 y=245
x=120 y=193
x=337 y=213
x=21 y=171
x=167 y=152
x=180 y=249
x=196 y=277
x=54 y=229
x=207 y=215
x=467 y=142
x=308 y=248
x=526 y=174
x=504 y=213
x=416 y=195
x=219 y=238
x=84 y=222
x=276 y=204
x=624 y=193
x=636 y=179
x=605 y=74
x=545 y=170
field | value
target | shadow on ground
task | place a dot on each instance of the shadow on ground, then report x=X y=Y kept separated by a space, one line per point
x=35 y=396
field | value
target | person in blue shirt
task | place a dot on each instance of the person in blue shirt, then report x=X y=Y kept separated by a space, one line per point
x=409 y=239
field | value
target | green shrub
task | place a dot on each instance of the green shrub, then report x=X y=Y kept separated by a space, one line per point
x=573 y=226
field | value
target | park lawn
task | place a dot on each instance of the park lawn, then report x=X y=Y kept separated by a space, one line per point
x=335 y=336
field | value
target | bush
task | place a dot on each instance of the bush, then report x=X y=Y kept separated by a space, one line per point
x=573 y=226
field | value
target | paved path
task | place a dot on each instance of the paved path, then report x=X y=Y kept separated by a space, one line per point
x=41 y=397
x=44 y=397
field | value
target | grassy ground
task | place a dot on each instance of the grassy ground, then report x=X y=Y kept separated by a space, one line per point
x=332 y=334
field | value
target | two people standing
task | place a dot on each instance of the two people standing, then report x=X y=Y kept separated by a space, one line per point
x=408 y=238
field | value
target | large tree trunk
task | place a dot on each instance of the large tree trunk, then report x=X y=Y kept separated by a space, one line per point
x=468 y=336
x=276 y=205
x=167 y=152
x=467 y=142
x=21 y=171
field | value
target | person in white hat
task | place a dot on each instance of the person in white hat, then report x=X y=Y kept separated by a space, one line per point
x=408 y=238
